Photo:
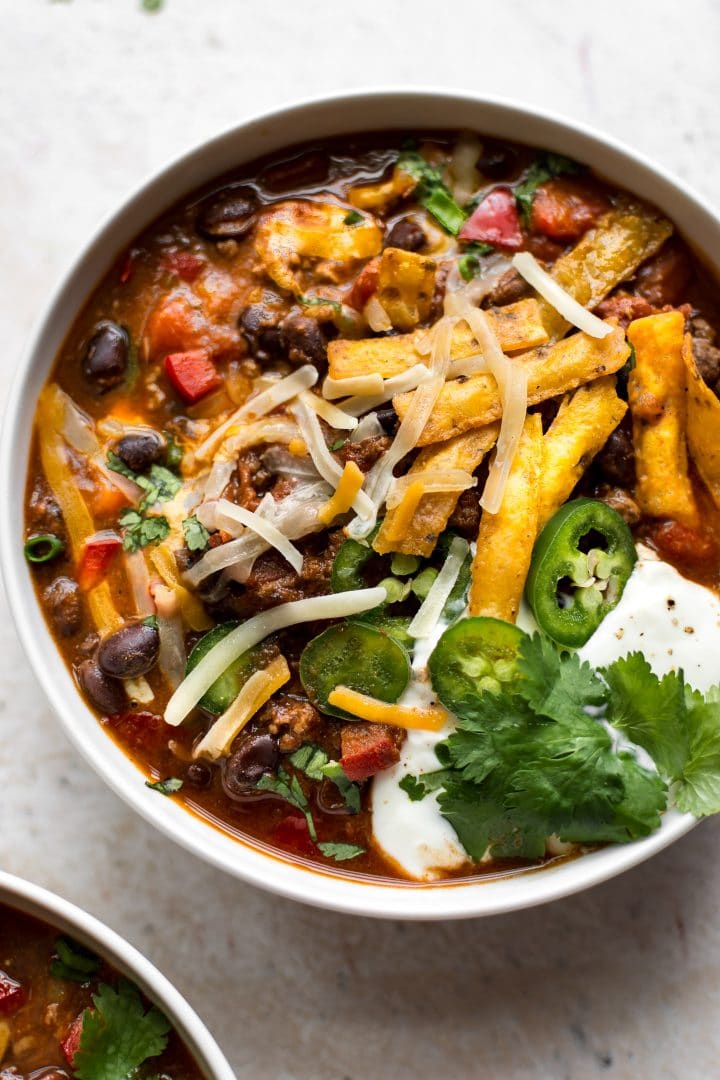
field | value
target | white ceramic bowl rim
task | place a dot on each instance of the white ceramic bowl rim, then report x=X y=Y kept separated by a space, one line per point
x=87 y=930
x=392 y=108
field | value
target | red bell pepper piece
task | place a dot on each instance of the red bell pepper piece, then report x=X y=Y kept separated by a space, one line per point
x=364 y=285
x=565 y=208
x=293 y=835
x=70 y=1042
x=99 y=552
x=13 y=995
x=185 y=264
x=495 y=221
x=192 y=374
x=367 y=749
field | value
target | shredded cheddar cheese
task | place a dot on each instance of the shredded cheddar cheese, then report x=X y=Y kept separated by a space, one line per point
x=383 y=712
x=350 y=483
x=257 y=690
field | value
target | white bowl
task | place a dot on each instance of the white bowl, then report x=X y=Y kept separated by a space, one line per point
x=87 y=930
x=375 y=110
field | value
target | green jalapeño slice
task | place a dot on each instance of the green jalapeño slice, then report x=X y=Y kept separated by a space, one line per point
x=580 y=566
x=473 y=655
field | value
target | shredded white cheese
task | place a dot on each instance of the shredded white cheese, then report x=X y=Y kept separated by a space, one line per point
x=529 y=268
x=262 y=527
x=433 y=480
x=331 y=414
x=355 y=384
x=431 y=608
x=255 y=630
x=397 y=384
x=323 y=460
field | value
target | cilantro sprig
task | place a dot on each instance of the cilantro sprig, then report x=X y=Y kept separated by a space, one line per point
x=159 y=484
x=543 y=168
x=73 y=962
x=141 y=531
x=431 y=192
x=118 y=1035
x=195 y=533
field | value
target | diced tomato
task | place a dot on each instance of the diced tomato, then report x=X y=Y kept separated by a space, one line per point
x=566 y=207
x=683 y=544
x=96 y=558
x=192 y=374
x=141 y=730
x=293 y=835
x=495 y=221
x=364 y=285
x=13 y=995
x=367 y=749
x=107 y=500
x=185 y=264
x=175 y=324
x=70 y=1042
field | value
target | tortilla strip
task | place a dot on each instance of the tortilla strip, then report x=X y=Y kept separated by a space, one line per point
x=607 y=255
x=414 y=525
x=517 y=326
x=578 y=432
x=505 y=541
x=406 y=283
x=656 y=391
x=552 y=369
x=703 y=424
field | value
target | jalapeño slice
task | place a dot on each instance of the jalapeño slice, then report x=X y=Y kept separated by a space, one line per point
x=353 y=654
x=224 y=690
x=473 y=655
x=580 y=566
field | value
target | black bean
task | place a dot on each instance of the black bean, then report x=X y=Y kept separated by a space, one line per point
x=130 y=651
x=388 y=419
x=497 y=160
x=305 y=341
x=307 y=170
x=227 y=214
x=256 y=755
x=406 y=234
x=105 y=693
x=62 y=597
x=140 y=451
x=616 y=460
x=199 y=775
x=106 y=355
x=259 y=325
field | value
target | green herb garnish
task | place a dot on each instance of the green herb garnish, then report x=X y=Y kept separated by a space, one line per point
x=320 y=301
x=141 y=531
x=543 y=168
x=431 y=191
x=159 y=485
x=165 y=787
x=469 y=263
x=341 y=852
x=195 y=533
x=353 y=218
x=338 y=444
x=314 y=762
x=74 y=962
x=288 y=787
x=118 y=1035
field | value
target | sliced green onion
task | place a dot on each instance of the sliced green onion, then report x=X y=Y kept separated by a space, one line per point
x=44 y=548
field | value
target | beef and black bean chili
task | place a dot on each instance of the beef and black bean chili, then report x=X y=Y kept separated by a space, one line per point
x=321 y=411
x=64 y=1013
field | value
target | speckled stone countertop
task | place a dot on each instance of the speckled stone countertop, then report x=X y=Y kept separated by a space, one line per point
x=623 y=981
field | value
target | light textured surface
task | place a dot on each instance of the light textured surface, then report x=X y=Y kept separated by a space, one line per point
x=623 y=981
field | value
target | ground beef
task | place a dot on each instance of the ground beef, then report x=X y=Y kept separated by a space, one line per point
x=293 y=718
x=620 y=501
x=249 y=481
x=44 y=514
x=624 y=307
x=706 y=353
x=366 y=452
x=615 y=464
x=664 y=279
x=465 y=518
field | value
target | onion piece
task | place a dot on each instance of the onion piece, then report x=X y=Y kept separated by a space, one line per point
x=77 y=429
x=324 y=462
x=356 y=384
x=330 y=413
x=433 y=480
x=376 y=316
x=172 y=656
x=529 y=268
x=139 y=578
x=431 y=608
x=254 y=630
x=218 y=479
x=258 y=689
x=281 y=462
x=397 y=384
x=265 y=402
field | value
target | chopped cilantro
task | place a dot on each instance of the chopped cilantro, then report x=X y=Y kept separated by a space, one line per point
x=141 y=531
x=118 y=1035
x=165 y=787
x=288 y=788
x=159 y=485
x=151 y=621
x=338 y=444
x=74 y=962
x=431 y=191
x=543 y=168
x=413 y=787
x=314 y=762
x=195 y=533
x=353 y=218
x=469 y=263
x=349 y=791
x=341 y=852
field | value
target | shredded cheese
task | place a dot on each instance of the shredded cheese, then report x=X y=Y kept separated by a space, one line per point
x=323 y=460
x=255 y=630
x=431 y=608
x=529 y=268
x=356 y=384
x=331 y=414
x=193 y=612
x=431 y=718
x=258 y=689
x=281 y=391
x=350 y=483
x=262 y=527
x=433 y=481
x=397 y=384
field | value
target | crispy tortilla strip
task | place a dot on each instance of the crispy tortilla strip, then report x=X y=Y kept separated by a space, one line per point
x=383 y=194
x=578 y=432
x=517 y=326
x=413 y=527
x=406 y=283
x=656 y=391
x=551 y=370
x=505 y=541
x=703 y=424
x=294 y=229
x=608 y=254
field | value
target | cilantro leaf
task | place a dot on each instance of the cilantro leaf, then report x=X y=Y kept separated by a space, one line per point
x=337 y=445
x=349 y=791
x=195 y=533
x=417 y=787
x=165 y=787
x=310 y=759
x=289 y=789
x=141 y=531
x=159 y=485
x=543 y=168
x=315 y=764
x=341 y=852
x=319 y=301
x=698 y=790
x=353 y=218
x=118 y=1035
x=554 y=684
x=431 y=191
x=74 y=962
